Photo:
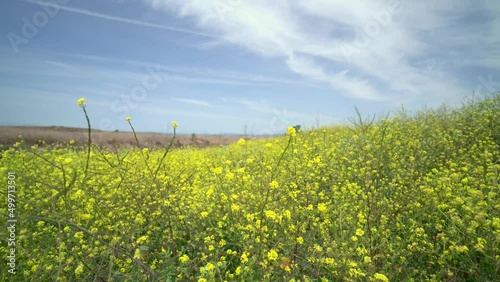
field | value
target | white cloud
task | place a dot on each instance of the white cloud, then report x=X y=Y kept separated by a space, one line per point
x=390 y=40
x=356 y=87
x=60 y=65
x=192 y=102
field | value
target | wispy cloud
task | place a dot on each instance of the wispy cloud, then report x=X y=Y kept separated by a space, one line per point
x=163 y=111
x=120 y=19
x=192 y=102
x=357 y=88
x=363 y=50
x=97 y=68
x=60 y=65
x=199 y=74
x=284 y=113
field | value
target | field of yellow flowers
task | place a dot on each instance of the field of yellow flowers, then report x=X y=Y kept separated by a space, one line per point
x=410 y=198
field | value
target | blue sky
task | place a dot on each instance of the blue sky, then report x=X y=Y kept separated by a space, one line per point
x=226 y=66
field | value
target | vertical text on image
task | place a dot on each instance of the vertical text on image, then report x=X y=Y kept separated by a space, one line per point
x=11 y=221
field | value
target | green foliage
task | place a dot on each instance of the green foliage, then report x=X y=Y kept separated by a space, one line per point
x=411 y=198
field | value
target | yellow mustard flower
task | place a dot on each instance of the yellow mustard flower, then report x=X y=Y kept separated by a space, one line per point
x=359 y=232
x=137 y=254
x=329 y=261
x=380 y=277
x=209 y=266
x=244 y=257
x=272 y=255
x=142 y=239
x=322 y=207
x=184 y=258
x=79 y=269
x=81 y=102
x=300 y=240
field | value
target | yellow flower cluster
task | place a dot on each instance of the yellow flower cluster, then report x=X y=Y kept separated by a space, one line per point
x=81 y=102
x=407 y=198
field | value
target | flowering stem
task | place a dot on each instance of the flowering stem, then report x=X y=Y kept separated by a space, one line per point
x=135 y=135
x=89 y=143
x=164 y=155
x=268 y=191
x=281 y=157
x=272 y=176
x=95 y=236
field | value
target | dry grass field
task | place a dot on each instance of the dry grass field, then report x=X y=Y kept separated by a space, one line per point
x=32 y=135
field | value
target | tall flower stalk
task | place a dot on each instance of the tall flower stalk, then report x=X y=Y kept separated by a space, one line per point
x=127 y=119
x=82 y=103
x=174 y=126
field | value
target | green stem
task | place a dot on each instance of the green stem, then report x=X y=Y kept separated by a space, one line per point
x=268 y=191
x=89 y=142
x=164 y=155
x=135 y=135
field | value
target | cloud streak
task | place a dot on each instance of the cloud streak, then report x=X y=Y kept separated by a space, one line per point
x=200 y=74
x=121 y=19
x=195 y=102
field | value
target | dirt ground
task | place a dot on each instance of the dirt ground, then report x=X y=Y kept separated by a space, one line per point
x=9 y=135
